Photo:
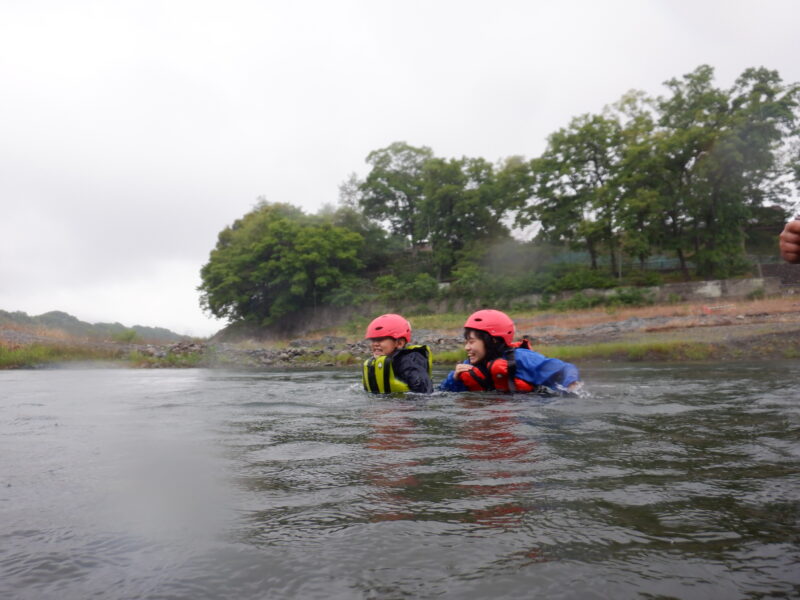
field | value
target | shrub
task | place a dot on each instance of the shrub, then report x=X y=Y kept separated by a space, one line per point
x=645 y=278
x=581 y=279
x=579 y=301
x=629 y=297
x=128 y=336
x=357 y=325
x=546 y=302
x=468 y=282
x=351 y=290
x=171 y=360
x=673 y=298
x=420 y=309
x=397 y=290
x=389 y=288
x=522 y=305
x=620 y=297
x=422 y=287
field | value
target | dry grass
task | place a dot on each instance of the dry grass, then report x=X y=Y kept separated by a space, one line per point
x=18 y=356
x=42 y=332
x=584 y=318
x=634 y=351
x=51 y=335
x=530 y=320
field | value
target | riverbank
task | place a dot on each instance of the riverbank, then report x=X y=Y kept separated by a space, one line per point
x=753 y=330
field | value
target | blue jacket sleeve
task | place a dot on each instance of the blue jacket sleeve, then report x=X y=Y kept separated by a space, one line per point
x=541 y=370
x=451 y=384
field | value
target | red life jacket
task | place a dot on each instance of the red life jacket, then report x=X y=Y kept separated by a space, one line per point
x=523 y=343
x=494 y=375
x=500 y=376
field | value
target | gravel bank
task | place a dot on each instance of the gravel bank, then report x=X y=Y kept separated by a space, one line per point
x=733 y=335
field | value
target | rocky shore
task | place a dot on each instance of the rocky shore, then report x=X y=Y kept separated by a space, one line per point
x=768 y=329
x=326 y=351
x=727 y=331
x=757 y=333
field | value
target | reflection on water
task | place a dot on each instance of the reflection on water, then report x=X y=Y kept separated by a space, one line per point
x=664 y=482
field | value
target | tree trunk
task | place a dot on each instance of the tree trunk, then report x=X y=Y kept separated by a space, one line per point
x=612 y=247
x=613 y=256
x=592 y=254
x=684 y=268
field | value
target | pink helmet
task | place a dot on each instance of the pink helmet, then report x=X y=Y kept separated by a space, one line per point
x=389 y=326
x=493 y=322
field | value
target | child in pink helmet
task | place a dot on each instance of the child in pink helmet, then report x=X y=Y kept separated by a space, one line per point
x=496 y=363
x=396 y=365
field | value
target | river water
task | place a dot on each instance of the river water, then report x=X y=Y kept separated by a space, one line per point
x=663 y=482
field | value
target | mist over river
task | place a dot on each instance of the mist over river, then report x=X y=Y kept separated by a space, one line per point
x=665 y=481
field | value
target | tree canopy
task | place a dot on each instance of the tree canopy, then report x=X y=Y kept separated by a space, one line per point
x=275 y=260
x=697 y=174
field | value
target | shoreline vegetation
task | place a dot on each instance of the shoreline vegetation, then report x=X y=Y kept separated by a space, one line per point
x=692 y=185
x=765 y=329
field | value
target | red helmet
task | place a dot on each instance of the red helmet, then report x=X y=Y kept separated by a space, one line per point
x=389 y=326
x=493 y=322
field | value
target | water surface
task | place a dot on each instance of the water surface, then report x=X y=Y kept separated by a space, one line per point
x=665 y=481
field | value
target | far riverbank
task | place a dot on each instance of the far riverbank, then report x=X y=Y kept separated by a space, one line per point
x=745 y=330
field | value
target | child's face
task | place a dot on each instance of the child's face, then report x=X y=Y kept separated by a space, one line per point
x=385 y=345
x=475 y=348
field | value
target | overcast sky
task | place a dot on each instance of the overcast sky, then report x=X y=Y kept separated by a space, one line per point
x=132 y=132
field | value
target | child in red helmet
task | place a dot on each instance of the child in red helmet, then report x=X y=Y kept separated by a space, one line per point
x=396 y=365
x=494 y=362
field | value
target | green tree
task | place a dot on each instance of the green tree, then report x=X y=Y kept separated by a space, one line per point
x=515 y=183
x=468 y=281
x=686 y=173
x=720 y=161
x=275 y=261
x=392 y=191
x=576 y=198
x=637 y=177
x=461 y=208
x=378 y=247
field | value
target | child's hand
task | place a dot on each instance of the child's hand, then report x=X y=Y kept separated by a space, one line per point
x=462 y=368
x=575 y=386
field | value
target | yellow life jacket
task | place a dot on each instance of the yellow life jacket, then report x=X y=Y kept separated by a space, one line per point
x=378 y=373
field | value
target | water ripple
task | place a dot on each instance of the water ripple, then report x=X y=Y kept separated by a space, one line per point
x=663 y=482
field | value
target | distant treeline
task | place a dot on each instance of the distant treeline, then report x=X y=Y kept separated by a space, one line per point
x=701 y=174
x=81 y=329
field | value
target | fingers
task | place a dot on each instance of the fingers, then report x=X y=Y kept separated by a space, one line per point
x=793 y=227
x=790 y=242
x=791 y=233
x=791 y=257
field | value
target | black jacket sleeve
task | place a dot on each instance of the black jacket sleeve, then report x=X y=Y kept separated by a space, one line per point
x=412 y=367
